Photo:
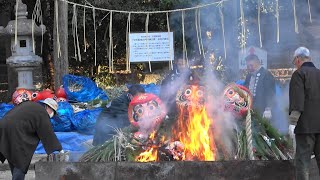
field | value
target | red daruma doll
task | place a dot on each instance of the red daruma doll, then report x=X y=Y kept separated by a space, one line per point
x=21 y=95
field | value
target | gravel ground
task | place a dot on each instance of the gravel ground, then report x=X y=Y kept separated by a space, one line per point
x=5 y=173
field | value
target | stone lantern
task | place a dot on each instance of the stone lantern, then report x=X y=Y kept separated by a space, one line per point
x=23 y=59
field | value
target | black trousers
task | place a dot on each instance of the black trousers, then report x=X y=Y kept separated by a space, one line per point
x=305 y=145
x=17 y=174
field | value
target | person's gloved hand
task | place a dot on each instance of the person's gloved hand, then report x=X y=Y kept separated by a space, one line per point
x=63 y=156
x=294 y=117
x=291 y=130
x=267 y=113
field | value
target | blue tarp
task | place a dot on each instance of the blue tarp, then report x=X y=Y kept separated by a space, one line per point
x=82 y=89
x=62 y=121
x=4 y=108
x=84 y=121
x=70 y=141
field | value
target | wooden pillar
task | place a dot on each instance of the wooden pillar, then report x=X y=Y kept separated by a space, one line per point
x=61 y=63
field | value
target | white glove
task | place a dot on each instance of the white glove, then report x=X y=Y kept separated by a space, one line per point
x=294 y=117
x=291 y=130
x=63 y=156
x=292 y=136
x=267 y=113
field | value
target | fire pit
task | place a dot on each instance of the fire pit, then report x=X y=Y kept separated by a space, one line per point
x=186 y=170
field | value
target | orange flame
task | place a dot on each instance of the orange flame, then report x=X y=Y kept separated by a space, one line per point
x=194 y=130
x=150 y=154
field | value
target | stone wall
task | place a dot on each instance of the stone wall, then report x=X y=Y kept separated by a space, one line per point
x=233 y=170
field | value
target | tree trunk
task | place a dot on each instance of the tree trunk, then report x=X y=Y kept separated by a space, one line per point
x=61 y=63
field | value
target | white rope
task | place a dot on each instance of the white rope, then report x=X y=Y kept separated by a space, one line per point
x=296 y=27
x=184 y=45
x=128 y=43
x=243 y=27
x=223 y=33
x=84 y=29
x=32 y=35
x=259 y=24
x=16 y=25
x=278 y=25
x=76 y=33
x=95 y=36
x=249 y=131
x=169 y=38
x=310 y=17
x=196 y=14
x=147 y=39
x=200 y=34
x=110 y=45
x=37 y=17
x=57 y=28
x=42 y=29
x=115 y=149
x=148 y=12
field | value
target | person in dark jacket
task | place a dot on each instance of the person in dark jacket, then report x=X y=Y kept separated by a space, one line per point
x=304 y=103
x=172 y=83
x=115 y=116
x=21 y=129
x=261 y=84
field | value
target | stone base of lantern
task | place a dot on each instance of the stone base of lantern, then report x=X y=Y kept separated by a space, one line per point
x=25 y=74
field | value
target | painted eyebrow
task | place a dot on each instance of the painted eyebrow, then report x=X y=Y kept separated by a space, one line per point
x=152 y=102
x=137 y=106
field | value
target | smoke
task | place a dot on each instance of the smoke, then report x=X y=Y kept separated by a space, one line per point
x=279 y=38
x=281 y=110
x=283 y=28
x=152 y=117
x=224 y=122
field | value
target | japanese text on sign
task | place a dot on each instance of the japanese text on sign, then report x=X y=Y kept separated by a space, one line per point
x=157 y=47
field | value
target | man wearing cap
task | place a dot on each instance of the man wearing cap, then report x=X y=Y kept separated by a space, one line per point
x=304 y=99
x=21 y=129
x=261 y=84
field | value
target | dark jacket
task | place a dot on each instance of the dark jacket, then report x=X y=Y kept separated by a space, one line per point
x=265 y=90
x=170 y=85
x=304 y=96
x=21 y=129
x=116 y=116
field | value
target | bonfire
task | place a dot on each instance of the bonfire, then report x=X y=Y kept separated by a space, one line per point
x=193 y=135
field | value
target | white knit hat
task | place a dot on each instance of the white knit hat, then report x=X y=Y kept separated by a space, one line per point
x=51 y=103
x=302 y=51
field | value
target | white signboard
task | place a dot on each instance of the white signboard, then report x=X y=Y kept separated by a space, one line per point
x=262 y=54
x=157 y=47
